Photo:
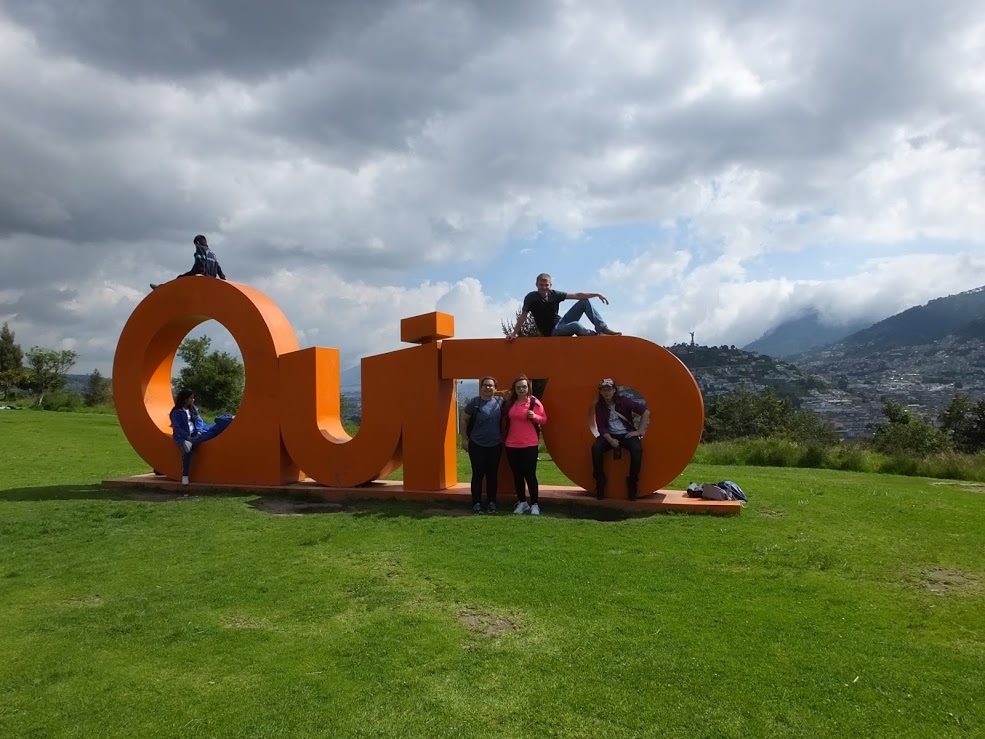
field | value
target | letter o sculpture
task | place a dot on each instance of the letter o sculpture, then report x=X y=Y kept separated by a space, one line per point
x=250 y=450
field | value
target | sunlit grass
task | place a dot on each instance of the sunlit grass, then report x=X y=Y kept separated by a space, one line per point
x=836 y=604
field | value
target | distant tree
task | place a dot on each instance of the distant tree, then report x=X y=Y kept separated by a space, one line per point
x=896 y=412
x=11 y=362
x=907 y=434
x=216 y=377
x=529 y=328
x=744 y=413
x=963 y=421
x=98 y=390
x=809 y=428
x=48 y=368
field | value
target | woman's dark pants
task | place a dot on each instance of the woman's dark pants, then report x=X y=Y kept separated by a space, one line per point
x=523 y=462
x=485 y=464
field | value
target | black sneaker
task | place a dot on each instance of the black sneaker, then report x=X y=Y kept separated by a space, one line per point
x=491 y=508
x=477 y=508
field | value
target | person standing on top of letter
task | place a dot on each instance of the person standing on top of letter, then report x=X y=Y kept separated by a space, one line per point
x=544 y=304
x=205 y=262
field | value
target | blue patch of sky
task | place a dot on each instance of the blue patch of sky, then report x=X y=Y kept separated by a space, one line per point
x=573 y=261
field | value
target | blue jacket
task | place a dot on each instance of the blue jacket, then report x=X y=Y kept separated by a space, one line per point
x=179 y=425
x=205 y=264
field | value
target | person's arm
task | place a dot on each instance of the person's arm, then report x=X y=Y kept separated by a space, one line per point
x=541 y=416
x=520 y=321
x=587 y=296
x=464 y=426
x=218 y=270
x=195 y=270
x=644 y=413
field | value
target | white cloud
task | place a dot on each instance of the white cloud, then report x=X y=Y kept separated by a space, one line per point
x=335 y=152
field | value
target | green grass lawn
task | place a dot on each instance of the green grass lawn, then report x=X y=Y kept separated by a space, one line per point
x=836 y=604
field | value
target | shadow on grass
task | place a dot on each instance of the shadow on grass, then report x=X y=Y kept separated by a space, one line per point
x=285 y=505
x=299 y=505
x=97 y=492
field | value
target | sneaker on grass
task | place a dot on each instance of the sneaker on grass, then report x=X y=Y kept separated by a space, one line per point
x=535 y=510
x=491 y=508
x=521 y=508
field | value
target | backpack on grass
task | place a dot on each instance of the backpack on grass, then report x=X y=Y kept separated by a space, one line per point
x=725 y=490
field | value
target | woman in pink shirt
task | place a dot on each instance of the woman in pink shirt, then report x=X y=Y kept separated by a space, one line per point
x=523 y=415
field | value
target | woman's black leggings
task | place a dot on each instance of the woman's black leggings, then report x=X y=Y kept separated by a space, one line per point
x=485 y=464
x=523 y=462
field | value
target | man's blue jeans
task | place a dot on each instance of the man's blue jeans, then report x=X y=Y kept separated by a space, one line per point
x=569 y=326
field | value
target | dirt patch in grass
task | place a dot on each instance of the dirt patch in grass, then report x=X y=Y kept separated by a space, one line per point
x=968 y=487
x=942 y=581
x=245 y=623
x=484 y=624
x=770 y=513
x=83 y=601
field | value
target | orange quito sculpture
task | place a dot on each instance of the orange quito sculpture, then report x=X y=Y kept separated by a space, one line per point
x=288 y=424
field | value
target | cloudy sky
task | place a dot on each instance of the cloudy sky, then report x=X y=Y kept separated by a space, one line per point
x=710 y=166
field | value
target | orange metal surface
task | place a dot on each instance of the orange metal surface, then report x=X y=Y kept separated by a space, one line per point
x=427 y=327
x=250 y=450
x=573 y=367
x=408 y=416
x=289 y=419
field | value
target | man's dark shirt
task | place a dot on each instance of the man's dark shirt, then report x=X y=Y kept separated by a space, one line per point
x=545 y=312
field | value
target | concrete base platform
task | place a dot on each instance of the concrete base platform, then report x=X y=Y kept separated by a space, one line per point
x=550 y=495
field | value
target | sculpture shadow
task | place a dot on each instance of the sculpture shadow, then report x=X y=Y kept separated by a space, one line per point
x=302 y=505
x=297 y=505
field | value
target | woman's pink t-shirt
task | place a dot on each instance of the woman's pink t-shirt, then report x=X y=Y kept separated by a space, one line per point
x=522 y=432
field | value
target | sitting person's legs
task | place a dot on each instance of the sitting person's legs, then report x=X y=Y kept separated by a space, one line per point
x=635 y=447
x=599 y=448
x=569 y=326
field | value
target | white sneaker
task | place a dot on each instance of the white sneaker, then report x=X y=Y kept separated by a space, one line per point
x=184 y=480
x=521 y=507
x=535 y=510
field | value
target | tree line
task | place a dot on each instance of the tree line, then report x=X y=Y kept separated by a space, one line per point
x=39 y=376
x=42 y=373
x=744 y=414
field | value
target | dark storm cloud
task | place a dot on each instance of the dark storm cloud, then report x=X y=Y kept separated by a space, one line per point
x=180 y=38
x=44 y=306
x=243 y=39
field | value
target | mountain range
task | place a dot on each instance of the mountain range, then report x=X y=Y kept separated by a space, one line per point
x=921 y=356
x=802 y=333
